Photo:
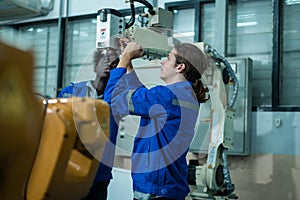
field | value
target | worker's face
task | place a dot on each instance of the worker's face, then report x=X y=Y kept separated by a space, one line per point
x=103 y=68
x=168 y=69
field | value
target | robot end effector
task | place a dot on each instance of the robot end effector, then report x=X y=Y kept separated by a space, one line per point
x=155 y=37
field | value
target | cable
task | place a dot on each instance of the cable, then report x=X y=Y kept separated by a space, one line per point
x=214 y=54
x=229 y=186
x=148 y=5
x=132 y=19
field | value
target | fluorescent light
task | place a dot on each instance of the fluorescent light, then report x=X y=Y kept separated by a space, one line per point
x=246 y=24
x=183 y=34
x=39 y=30
x=291 y=2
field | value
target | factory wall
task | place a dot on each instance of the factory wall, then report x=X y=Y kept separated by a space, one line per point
x=272 y=171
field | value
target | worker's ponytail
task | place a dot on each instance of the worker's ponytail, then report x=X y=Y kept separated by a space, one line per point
x=196 y=63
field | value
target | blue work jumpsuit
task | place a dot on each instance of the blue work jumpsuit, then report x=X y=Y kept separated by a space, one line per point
x=168 y=117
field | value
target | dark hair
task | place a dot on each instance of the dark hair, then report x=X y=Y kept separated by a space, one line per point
x=106 y=53
x=196 y=63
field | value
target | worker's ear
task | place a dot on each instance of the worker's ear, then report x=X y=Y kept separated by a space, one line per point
x=180 y=67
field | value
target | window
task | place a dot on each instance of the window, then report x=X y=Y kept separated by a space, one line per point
x=80 y=43
x=184 y=31
x=290 y=67
x=185 y=20
x=44 y=41
x=207 y=23
x=250 y=35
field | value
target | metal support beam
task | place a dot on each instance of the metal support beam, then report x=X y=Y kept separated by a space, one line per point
x=221 y=27
x=276 y=55
x=62 y=23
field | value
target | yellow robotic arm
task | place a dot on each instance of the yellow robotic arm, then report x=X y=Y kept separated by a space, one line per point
x=65 y=166
x=45 y=143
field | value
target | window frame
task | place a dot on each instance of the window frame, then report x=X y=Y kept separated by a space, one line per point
x=188 y=5
x=19 y=26
x=276 y=42
x=276 y=48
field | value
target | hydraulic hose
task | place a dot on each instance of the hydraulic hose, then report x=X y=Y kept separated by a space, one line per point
x=229 y=187
x=132 y=19
x=148 y=5
x=213 y=53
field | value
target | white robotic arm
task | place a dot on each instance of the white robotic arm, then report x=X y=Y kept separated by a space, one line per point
x=156 y=38
x=213 y=178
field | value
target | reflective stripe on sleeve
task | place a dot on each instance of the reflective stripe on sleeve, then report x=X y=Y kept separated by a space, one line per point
x=130 y=103
x=185 y=104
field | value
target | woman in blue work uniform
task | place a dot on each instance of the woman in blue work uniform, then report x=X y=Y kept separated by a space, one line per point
x=104 y=60
x=168 y=117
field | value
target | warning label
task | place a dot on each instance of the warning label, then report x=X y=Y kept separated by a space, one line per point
x=102 y=33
